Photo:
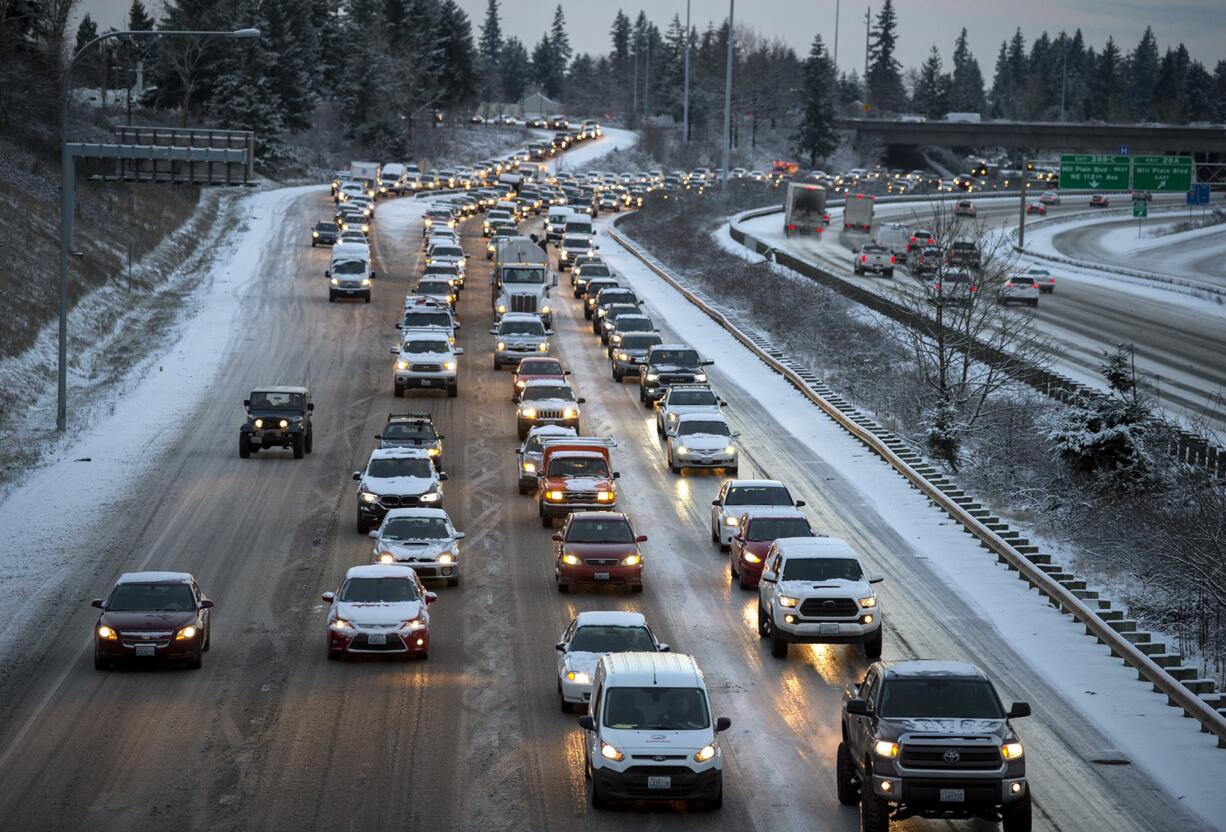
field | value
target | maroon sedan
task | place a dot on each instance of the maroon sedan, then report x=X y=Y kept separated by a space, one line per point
x=598 y=548
x=530 y=369
x=755 y=534
x=150 y=617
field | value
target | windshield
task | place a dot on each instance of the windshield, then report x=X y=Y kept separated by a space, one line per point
x=579 y=466
x=410 y=430
x=516 y=275
x=377 y=591
x=437 y=347
x=608 y=639
x=576 y=243
x=444 y=269
x=639 y=342
x=539 y=368
x=420 y=319
x=176 y=597
x=349 y=267
x=452 y=252
x=691 y=397
x=683 y=358
x=521 y=328
x=595 y=270
x=822 y=569
x=939 y=699
x=399 y=467
x=539 y=392
x=758 y=495
x=433 y=287
x=773 y=528
x=613 y=530
x=416 y=528
x=326 y=226
x=271 y=400
x=711 y=427
x=656 y=709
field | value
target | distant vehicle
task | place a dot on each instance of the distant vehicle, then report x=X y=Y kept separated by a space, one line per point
x=150 y=617
x=923 y=261
x=1045 y=279
x=277 y=417
x=894 y=237
x=964 y=118
x=1019 y=289
x=1142 y=196
x=964 y=208
x=324 y=233
x=598 y=548
x=1049 y=198
x=1036 y=208
x=873 y=259
x=519 y=335
x=804 y=209
x=591 y=635
x=963 y=253
x=738 y=496
x=393 y=178
x=953 y=287
x=1099 y=201
x=756 y=531
x=422 y=538
x=365 y=170
x=395 y=478
x=920 y=237
x=858 y=213
x=702 y=440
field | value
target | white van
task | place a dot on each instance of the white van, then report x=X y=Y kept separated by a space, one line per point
x=555 y=222
x=349 y=274
x=895 y=237
x=392 y=178
x=649 y=732
x=578 y=224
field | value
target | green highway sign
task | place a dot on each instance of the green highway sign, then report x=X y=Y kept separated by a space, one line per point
x=1094 y=173
x=1162 y=173
x=1140 y=208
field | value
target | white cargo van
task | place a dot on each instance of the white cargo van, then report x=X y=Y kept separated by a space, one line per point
x=349 y=274
x=392 y=178
x=555 y=222
x=578 y=224
x=649 y=733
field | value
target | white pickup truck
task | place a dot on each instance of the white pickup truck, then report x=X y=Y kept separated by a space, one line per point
x=873 y=258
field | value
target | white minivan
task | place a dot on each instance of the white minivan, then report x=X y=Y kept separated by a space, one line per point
x=649 y=732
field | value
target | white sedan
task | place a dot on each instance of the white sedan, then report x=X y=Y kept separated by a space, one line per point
x=591 y=635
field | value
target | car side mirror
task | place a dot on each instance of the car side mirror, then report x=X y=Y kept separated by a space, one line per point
x=715 y=502
x=556 y=536
x=327 y=272
x=617 y=475
x=311 y=407
x=460 y=535
x=736 y=435
x=246 y=402
x=707 y=363
x=566 y=372
x=722 y=723
x=663 y=648
x=431 y=597
x=357 y=475
x=560 y=647
x=394 y=350
x=372 y=275
x=875 y=578
x=328 y=597
x=641 y=539
x=98 y=603
x=442 y=475
x=379 y=436
x=373 y=535
x=800 y=503
x=207 y=604
x=458 y=350
x=738 y=537
x=580 y=400
x=769 y=576
x=587 y=723
x=549 y=332
x=555 y=278
x=457 y=325
x=858 y=707
x=1018 y=710
x=493 y=330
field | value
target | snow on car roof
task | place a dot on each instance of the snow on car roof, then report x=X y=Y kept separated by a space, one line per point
x=395 y=453
x=548 y=381
x=606 y=618
x=379 y=570
x=816 y=547
x=702 y=416
x=154 y=578
x=393 y=513
x=279 y=389
x=754 y=483
x=667 y=670
x=931 y=667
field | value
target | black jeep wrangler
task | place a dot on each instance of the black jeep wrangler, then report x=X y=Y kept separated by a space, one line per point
x=931 y=739
x=277 y=417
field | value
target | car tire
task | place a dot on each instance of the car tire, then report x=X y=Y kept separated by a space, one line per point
x=734 y=470
x=452 y=392
x=197 y=661
x=299 y=445
x=101 y=662
x=497 y=366
x=874 y=813
x=779 y=647
x=716 y=803
x=732 y=575
x=764 y=622
x=618 y=377
x=563 y=588
x=453 y=582
x=844 y=777
x=547 y=521
x=362 y=526
x=636 y=588
x=244 y=446
x=398 y=391
x=888 y=273
x=522 y=432
x=594 y=796
x=1015 y=816
x=208 y=637
x=331 y=298
x=309 y=444
x=672 y=466
x=524 y=489
x=872 y=647
x=566 y=707
x=366 y=299
x=1035 y=303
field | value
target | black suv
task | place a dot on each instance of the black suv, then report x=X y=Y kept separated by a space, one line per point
x=413 y=430
x=325 y=233
x=931 y=739
x=277 y=417
x=666 y=365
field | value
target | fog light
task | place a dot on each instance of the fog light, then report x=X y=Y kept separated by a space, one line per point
x=887 y=786
x=387 y=557
x=866 y=619
x=791 y=619
x=1016 y=788
x=420 y=642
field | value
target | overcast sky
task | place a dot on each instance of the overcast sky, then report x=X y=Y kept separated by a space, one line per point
x=1197 y=23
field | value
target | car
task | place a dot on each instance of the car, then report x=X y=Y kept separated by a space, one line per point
x=873 y=258
x=965 y=761
x=702 y=440
x=426 y=358
x=924 y=261
x=1045 y=279
x=738 y=496
x=1142 y=196
x=352 y=221
x=446 y=270
x=530 y=453
x=1099 y=201
x=964 y=208
x=412 y=430
x=592 y=287
x=530 y=369
x=630 y=352
x=423 y=538
x=682 y=399
x=650 y=733
x=964 y=254
x=1018 y=288
x=575 y=474
x=519 y=335
x=437 y=216
x=591 y=635
x=814 y=590
x=598 y=548
x=609 y=201
x=607 y=315
x=920 y=237
x=547 y=401
x=572 y=246
x=666 y=365
x=440 y=288
x=152 y=617
x=447 y=252
x=625 y=323
x=380 y=609
x=953 y=287
x=353 y=236
x=324 y=233
x=277 y=417
x=1036 y=208
x=757 y=530
x=1049 y=198
x=395 y=478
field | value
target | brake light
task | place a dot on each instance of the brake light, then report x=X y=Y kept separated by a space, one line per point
x=863 y=258
x=891 y=259
x=974 y=288
x=1035 y=286
x=791 y=228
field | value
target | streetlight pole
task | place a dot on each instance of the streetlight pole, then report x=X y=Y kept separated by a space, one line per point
x=68 y=195
x=728 y=99
x=685 y=105
x=837 y=3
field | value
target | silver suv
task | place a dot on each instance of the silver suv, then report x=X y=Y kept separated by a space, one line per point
x=520 y=335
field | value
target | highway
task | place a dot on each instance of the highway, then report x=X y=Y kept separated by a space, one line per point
x=1179 y=340
x=271 y=736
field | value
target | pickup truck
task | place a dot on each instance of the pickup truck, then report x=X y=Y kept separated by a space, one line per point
x=873 y=258
x=926 y=738
x=576 y=474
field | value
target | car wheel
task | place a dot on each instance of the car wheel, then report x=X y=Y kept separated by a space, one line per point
x=849 y=792
x=672 y=466
x=889 y=273
x=732 y=576
x=566 y=707
x=398 y=391
x=872 y=647
x=594 y=796
x=497 y=366
x=764 y=622
x=361 y=526
x=1015 y=817
x=522 y=432
x=366 y=299
x=1035 y=303
x=197 y=661
x=874 y=813
x=453 y=582
x=208 y=638
x=244 y=446
x=331 y=298
x=101 y=662
x=299 y=444
x=452 y=392
x=563 y=588
x=310 y=441
x=779 y=647
x=636 y=587
x=547 y=521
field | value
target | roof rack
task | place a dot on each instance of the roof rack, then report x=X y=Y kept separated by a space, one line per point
x=417 y=416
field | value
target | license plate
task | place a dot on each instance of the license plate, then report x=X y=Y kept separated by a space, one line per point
x=659 y=782
x=601 y=576
x=376 y=638
x=146 y=650
x=427 y=382
x=829 y=629
x=953 y=795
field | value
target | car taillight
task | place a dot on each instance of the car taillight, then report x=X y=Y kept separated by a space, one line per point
x=1035 y=286
x=891 y=259
x=863 y=258
x=791 y=228
x=974 y=288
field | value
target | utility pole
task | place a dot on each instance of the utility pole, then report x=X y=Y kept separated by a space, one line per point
x=685 y=106
x=837 y=3
x=1021 y=210
x=723 y=183
x=1064 y=81
x=868 y=19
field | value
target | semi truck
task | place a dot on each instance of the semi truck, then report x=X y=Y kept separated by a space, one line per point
x=804 y=209
x=858 y=212
x=520 y=281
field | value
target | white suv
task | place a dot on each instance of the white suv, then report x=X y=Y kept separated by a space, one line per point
x=426 y=358
x=702 y=440
x=738 y=496
x=814 y=590
x=649 y=733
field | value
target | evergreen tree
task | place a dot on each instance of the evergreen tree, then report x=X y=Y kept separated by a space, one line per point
x=1142 y=77
x=851 y=89
x=966 y=93
x=292 y=41
x=1105 y=102
x=514 y=69
x=1219 y=92
x=490 y=50
x=885 y=88
x=324 y=19
x=88 y=67
x=246 y=98
x=1002 y=83
x=623 y=77
x=815 y=136
x=456 y=55
x=139 y=19
x=933 y=88
x=1198 y=93
x=559 y=55
x=542 y=65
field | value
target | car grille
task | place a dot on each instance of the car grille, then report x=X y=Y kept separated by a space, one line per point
x=601 y=562
x=548 y=414
x=427 y=368
x=677 y=378
x=829 y=608
x=522 y=347
x=394 y=500
x=961 y=757
x=393 y=645
x=523 y=303
x=580 y=496
x=929 y=792
x=658 y=757
x=159 y=639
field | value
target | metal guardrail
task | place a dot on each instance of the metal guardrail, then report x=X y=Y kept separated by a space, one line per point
x=1177 y=695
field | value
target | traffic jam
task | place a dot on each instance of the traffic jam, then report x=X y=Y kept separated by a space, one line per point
x=650 y=726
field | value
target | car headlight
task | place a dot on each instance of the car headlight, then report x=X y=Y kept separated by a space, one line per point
x=521 y=384
x=554 y=495
x=546 y=309
x=502 y=345
x=571 y=560
x=528 y=413
x=283 y=424
x=446 y=558
x=340 y=624
x=402 y=365
x=529 y=467
x=314 y=233
x=621 y=356
x=368 y=496
x=579 y=678
x=432 y=452
x=543 y=346
x=870 y=601
x=105 y=632
x=632 y=560
x=732 y=521
x=682 y=449
x=185 y=633
x=602 y=312
x=448 y=365
x=610 y=753
x=787 y=601
x=750 y=557
x=1012 y=751
x=335 y=282
x=570 y=413
x=700 y=378
x=653 y=377
x=387 y=557
x=431 y=497
x=366 y=281
x=705 y=753
x=604 y=496
x=413 y=625
x=886 y=748
x=258 y=423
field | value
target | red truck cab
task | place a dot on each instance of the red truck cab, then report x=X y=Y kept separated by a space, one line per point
x=576 y=475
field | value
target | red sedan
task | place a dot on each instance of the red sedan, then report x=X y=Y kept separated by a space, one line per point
x=1036 y=208
x=598 y=548
x=534 y=368
x=756 y=531
x=380 y=609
